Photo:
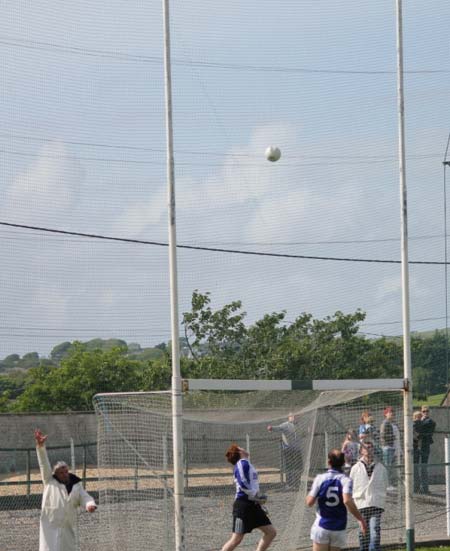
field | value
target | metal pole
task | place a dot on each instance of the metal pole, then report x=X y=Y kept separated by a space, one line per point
x=83 y=476
x=72 y=455
x=177 y=413
x=407 y=370
x=447 y=481
x=28 y=467
x=247 y=442
x=166 y=493
x=136 y=472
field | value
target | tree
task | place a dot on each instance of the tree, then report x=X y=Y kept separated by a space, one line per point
x=9 y=362
x=60 y=351
x=83 y=374
x=429 y=357
x=307 y=348
x=29 y=360
x=219 y=332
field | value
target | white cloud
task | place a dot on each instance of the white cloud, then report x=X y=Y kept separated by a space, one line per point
x=46 y=190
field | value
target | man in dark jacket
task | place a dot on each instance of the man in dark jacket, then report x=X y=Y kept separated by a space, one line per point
x=426 y=430
x=388 y=445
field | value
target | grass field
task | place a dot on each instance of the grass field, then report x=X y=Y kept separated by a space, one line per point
x=434 y=400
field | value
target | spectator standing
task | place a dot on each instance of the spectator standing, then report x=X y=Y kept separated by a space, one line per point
x=368 y=432
x=389 y=440
x=370 y=481
x=291 y=451
x=426 y=430
x=417 y=421
x=365 y=415
x=350 y=449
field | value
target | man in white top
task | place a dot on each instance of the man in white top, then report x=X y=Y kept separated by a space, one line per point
x=63 y=494
x=333 y=493
x=370 y=482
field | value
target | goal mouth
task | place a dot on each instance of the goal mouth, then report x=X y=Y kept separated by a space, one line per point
x=136 y=467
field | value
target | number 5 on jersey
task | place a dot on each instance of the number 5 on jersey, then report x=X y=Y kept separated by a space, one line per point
x=332 y=496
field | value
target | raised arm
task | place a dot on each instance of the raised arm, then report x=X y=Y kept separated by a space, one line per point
x=44 y=463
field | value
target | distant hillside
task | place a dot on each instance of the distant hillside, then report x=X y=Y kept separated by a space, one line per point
x=13 y=362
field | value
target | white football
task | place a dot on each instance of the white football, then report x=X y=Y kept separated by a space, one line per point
x=273 y=153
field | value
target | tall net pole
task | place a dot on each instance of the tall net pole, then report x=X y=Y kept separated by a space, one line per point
x=407 y=402
x=177 y=409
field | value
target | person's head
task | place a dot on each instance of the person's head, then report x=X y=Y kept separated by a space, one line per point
x=234 y=453
x=417 y=416
x=336 y=459
x=61 y=472
x=367 y=450
x=364 y=416
x=369 y=420
x=291 y=418
x=389 y=413
x=425 y=410
x=351 y=435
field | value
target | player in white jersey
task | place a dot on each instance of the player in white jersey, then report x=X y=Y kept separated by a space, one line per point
x=332 y=491
x=247 y=511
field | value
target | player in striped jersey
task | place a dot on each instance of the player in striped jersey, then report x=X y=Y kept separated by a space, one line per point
x=247 y=511
x=332 y=491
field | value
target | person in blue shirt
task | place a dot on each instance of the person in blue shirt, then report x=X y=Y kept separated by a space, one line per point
x=247 y=510
x=332 y=491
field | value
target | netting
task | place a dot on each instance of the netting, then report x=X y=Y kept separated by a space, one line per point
x=82 y=160
x=82 y=149
x=136 y=474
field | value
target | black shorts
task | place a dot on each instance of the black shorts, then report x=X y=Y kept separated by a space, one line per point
x=248 y=515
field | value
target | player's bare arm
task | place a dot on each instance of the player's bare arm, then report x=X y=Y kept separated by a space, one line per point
x=351 y=508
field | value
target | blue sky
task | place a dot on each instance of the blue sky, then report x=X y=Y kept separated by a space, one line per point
x=82 y=149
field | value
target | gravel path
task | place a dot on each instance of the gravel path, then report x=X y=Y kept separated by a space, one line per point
x=208 y=524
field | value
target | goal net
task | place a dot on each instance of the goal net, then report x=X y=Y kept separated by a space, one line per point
x=136 y=468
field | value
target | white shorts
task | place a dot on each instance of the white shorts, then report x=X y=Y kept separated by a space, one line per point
x=334 y=538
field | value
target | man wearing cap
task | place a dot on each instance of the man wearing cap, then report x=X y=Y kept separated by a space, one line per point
x=63 y=494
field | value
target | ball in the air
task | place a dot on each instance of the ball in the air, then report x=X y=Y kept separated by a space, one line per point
x=273 y=153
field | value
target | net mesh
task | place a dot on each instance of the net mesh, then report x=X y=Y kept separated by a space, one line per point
x=82 y=150
x=136 y=474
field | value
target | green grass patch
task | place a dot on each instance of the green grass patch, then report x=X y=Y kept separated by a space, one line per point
x=434 y=400
x=436 y=548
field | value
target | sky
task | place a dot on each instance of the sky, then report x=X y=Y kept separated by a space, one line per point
x=82 y=149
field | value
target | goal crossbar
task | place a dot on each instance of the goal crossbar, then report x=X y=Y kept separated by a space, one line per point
x=268 y=384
